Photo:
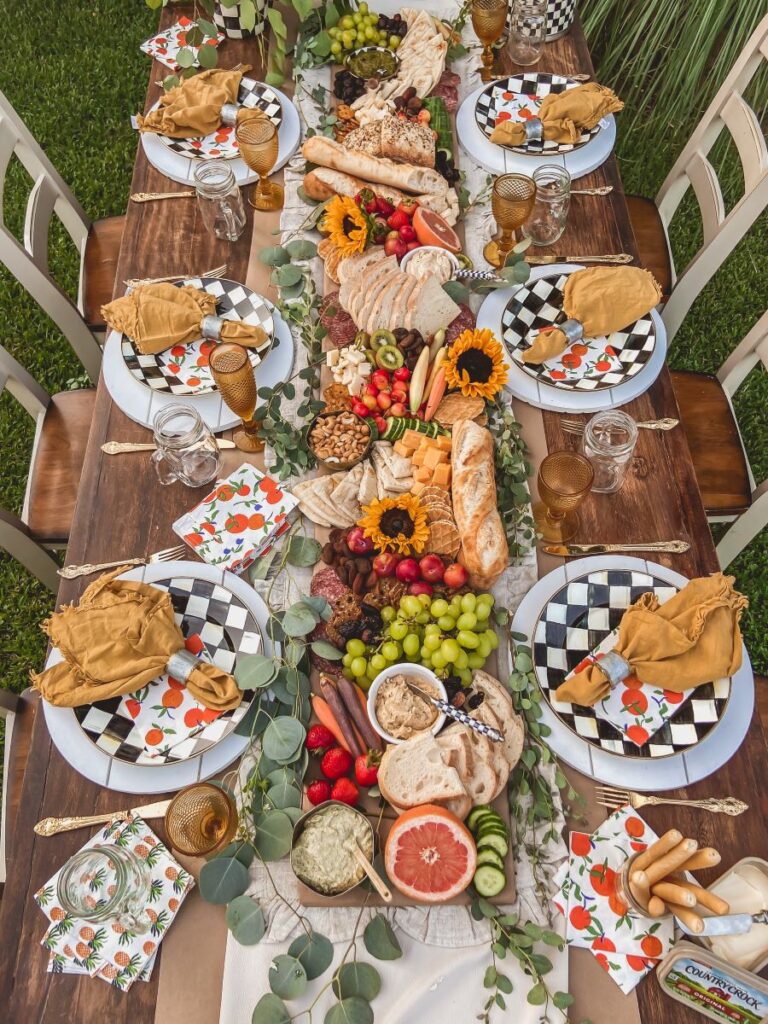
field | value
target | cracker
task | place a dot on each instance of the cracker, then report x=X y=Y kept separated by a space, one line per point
x=444 y=539
x=456 y=407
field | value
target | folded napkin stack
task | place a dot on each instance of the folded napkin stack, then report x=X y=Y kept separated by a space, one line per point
x=193 y=108
x=600 y=300
x=692 y=638
x=625 y=944
x=120 y=637
x=564 y=116
x=157 y=316
x=106 y=949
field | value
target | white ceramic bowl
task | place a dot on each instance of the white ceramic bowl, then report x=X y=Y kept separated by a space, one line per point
x=420 y=675
x=431 y=248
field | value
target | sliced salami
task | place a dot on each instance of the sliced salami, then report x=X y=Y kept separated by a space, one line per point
x=326 y=583
x=339 y=324
x=465 y=321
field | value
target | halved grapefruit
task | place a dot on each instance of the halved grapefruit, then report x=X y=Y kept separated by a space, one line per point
x=431 y=229
x=430 y=854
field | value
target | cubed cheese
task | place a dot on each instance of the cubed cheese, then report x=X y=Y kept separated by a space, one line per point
x=412 y=439
x=402 y=449
x=418 y=457
x=443 y=442
x=423 y=474
x=442 y=475
x=433 y=457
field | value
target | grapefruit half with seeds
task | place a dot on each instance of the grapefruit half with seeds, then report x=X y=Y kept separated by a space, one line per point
x=430 y=854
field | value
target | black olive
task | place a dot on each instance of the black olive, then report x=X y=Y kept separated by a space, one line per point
x=475 y=701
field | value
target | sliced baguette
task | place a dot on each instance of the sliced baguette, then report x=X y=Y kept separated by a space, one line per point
x=324 y=151
x=352 y=266
x=457 y=749
x=500 y=701
x=362 y=310
x=324 y=183
x=414 y=772
x=436 y=309
x=407 y=289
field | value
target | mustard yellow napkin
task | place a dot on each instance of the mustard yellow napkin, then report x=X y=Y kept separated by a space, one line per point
x=603 y=300
x=116 y=640
x=158 y=316
x=193 y=108
x=564 y=115
x=692 y=639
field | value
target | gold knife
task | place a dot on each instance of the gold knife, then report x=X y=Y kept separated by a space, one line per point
x=120 y=447
x=675 y=547
x=50 y=826
x=542 y=261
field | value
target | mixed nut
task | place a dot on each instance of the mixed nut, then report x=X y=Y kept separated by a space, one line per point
x=339 y=438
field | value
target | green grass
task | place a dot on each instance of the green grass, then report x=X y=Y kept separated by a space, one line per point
x=73 y=71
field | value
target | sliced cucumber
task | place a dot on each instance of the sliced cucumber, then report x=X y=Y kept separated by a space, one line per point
x=494 y=842
x=490 y=856
x=481 y=813
x=489 y=880
x=492 y=828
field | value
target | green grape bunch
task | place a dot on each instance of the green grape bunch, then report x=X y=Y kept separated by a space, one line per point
x=364 y=28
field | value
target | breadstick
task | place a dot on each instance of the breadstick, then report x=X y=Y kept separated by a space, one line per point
x=674 y=894
x=660 y=868
x=690 y=919
x=707 y=857
x=638 y=886
x=706 y=898
x=656 y=907
x=667 y=842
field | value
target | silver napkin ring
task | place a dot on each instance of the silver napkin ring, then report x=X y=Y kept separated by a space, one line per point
x=534 y=130
x=229 y=114
x=615 y=667
x=211 y=326
x=181 y=665
x=572 y=329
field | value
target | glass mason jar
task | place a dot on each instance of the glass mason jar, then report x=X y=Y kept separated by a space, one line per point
x=609 y=440
x=528 y=26
x=550 y=212
x=186 y=447
x=107 y=883
x=219 y=199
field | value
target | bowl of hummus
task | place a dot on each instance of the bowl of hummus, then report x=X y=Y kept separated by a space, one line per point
x=399 y=713
x=321 y=851
x=430 y=261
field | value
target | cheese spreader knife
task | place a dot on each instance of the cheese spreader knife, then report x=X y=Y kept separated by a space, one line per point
x=457 y=715
x=727 y=924
x=50 y=826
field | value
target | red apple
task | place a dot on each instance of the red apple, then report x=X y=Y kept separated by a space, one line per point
x=455 y=576
x=380 y=379
x=358 y=543
x=385 y=563
x=407 y=233
x=402 y=373
x=384 y=400
x=359 y=409
x=395 y=246
x=420 y=587
x=397 y=409
x=381 y=423
x=432 y=568
x=407 y=571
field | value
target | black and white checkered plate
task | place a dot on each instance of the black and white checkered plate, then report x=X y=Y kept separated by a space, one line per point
x=573 y=622
x=518 y=99
x=228 y=630
x=592 y=364
x=183 y=369
x=222 y=144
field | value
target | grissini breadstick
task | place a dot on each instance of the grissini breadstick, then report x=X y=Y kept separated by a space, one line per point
x=671 y=861
x=672 y=893
x=656 y=906
x=638 y=886
x=667 y=842
x=690 y=919
x=707 y=857
x=706 y=898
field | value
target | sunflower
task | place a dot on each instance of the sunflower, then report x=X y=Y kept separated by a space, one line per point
x=396 y=524
x=474 y=364
x=346 y=225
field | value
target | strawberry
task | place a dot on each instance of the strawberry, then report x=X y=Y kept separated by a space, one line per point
x=319 y=739
x=408 y=207
x=335 y=763
x=385 y=208
x=318 y=792
x=367 y=768
x=346 y=791
x=397 y=219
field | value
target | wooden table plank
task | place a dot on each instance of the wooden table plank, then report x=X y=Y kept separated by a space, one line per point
x=123 y=511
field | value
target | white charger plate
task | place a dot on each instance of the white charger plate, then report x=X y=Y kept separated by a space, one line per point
x=87 y=759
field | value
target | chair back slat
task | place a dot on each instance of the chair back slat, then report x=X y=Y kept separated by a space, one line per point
x=749 y=353
x=22 y=385
x=744 y=126
x=703 y=178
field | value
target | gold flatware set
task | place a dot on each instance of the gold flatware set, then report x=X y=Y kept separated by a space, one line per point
x=674 y=547
x=71 y=572
x=52 y=826
x=134 y=282
x=148 y=197
x=540 y=261
x=577 y=427
x=600 y=190
x=122 y=447
x=609 y=796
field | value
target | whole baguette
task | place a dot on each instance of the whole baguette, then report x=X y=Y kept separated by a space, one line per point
x=484 y=551
x=324 y=151
x=324 y=183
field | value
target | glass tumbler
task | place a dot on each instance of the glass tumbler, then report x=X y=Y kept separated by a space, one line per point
x=186 y=447
x=609 y=441
x=219 y=199
x=107 y=883
x=528 y=24
x=550 y=212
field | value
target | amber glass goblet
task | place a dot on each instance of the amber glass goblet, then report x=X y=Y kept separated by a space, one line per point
x=258 y=144
x=564 y=481
x=201 y=820
x=489 y=19
x=512 y=200
x=231 y=369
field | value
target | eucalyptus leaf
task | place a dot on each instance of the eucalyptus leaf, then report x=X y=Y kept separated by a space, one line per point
x=208 y=56
x=320 y=605
x=254 y=671
x=270 y=1010
x=283 y=739
x=294 y=813
x=284 y=795
x=185 y=58
x=522 y=272
x=324 y=649
x=281 y=689
x=457 y=291
x=314 y=952
x=523 y=244
x=350 y=1011
x=170 y=82
x=298 y=620
x=287 y=977
x=303 y=551
x=273 y=256
x=562 y=1000
x=274 y=832
x=240 y=850
x=537 y=996
x=222 y=879
x=257 y=717
x=207 y=27
x=286 y=275
x=380 y=940
x=245 y=920
x=301 y=249
x=357 y=979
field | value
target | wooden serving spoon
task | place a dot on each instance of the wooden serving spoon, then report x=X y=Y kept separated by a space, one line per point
x=377 y=881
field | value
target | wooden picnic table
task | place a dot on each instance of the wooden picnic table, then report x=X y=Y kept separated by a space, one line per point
x=123 y=511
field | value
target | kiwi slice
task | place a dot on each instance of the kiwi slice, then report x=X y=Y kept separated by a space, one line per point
x=388 y=357
x=382 y=337
x=362 y=340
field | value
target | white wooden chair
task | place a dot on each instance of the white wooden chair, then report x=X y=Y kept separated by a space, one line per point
x=725 y=477
x=62 y=423
x=722 y=232
x=97 y=242
x=18 y=714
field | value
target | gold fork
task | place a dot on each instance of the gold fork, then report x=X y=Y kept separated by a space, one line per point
x=121 y=447
x=617 y=257
x=148 y=197
x=608 y=796
x=134 y=282
x=71 y=572
x=577 y=427
x=601 y=190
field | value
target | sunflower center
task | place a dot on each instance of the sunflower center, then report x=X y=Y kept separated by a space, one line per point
x=476 y=364
x=348 y=225
x=396 y=521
